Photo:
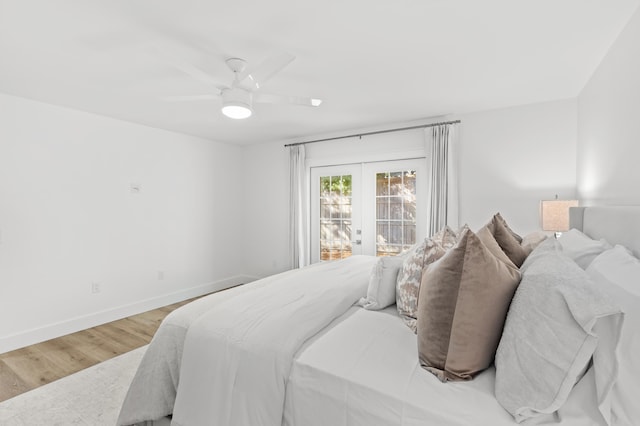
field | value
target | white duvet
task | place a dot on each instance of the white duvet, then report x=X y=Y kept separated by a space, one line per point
x=229 y=356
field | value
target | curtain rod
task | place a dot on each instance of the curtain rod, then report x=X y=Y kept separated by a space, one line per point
x=377 y=132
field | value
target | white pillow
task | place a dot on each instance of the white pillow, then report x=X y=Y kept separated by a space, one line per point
x=550 y=245
x=617 y=266
x=581 y=248
x=557 y=321
x=618 y=276
x=382 y=283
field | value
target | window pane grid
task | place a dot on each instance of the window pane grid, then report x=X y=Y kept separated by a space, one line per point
x=335 y=217
x=395 y=212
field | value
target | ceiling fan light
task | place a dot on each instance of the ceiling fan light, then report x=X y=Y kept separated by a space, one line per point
x=236 y=103
x=236 y=110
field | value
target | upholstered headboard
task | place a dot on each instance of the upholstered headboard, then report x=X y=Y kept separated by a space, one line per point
x=616 y=224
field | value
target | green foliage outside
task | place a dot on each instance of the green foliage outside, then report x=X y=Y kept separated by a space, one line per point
x=338 y=185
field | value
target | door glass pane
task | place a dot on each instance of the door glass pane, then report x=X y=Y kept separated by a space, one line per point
x=409 y=212
x=382 y=184
x=395 y=183
x=382 y=208
x=335 y=217
x=395 y=208
x=395 y=211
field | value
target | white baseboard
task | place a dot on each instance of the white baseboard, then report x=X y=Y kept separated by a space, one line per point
x=51 y=331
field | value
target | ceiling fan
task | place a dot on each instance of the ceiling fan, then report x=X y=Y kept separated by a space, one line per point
x=239 y=96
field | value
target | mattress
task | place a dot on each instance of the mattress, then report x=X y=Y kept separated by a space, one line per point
x=363 y=370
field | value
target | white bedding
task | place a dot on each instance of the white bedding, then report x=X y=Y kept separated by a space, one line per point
x=333 y=365
x=152 y=393
x=363 y=370
x=238 y=347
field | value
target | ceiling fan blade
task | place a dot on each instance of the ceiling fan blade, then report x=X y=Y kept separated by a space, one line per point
x=185 y=67
x=268 y=98
x=256 y=77
x=190 y=98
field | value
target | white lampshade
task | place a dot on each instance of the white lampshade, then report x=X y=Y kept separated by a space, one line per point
x=555 y=214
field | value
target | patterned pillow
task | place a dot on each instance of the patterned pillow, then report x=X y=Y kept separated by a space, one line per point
x=410 y=275
x=447 y=237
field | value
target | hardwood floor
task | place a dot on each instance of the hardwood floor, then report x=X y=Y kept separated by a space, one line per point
x=28 y=368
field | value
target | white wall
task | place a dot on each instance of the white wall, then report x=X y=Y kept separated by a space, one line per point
x=510 y=159
x=68 y=219
x=609 y=125
x=266 y=209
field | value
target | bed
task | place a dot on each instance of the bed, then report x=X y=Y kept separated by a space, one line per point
x=295 y=349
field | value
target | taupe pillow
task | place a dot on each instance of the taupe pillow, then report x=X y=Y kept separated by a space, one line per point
x=507 y=241
x=463 y=302
x=500 y=219
x=410 y=275
x=484 y=234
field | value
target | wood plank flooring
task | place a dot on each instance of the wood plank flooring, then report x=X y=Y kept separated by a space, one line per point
x=28 y=368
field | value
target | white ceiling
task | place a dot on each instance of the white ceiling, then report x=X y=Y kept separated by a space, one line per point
x=373 y=62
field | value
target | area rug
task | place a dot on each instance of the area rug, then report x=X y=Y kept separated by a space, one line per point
x=90 y=397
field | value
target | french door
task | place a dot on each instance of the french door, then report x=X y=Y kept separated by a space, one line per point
x=336 y=232
x=373 y=208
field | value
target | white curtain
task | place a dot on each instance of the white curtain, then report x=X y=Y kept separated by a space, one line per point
x=298 y=235
x=441 y=147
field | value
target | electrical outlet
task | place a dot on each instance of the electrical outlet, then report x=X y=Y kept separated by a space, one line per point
x=160 y=275
x=95 y=288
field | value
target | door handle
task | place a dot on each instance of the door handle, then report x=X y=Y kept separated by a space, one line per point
x=358 y=242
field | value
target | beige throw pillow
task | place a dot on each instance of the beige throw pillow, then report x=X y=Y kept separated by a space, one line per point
x=463 y=302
